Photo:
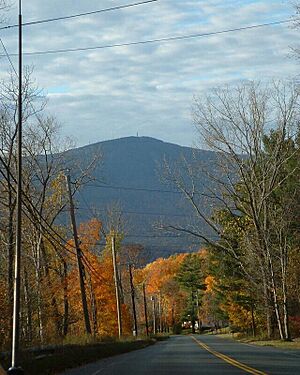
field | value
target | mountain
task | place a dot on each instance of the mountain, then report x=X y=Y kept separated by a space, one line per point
x=128 y=178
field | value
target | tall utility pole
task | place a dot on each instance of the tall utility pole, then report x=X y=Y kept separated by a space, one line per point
x=14 y=369
x=116 y=278
x=79 y=260
x=145 y=310
x=133 y=299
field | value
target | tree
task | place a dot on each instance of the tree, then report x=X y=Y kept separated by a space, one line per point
x=236 y=122
x=8 y=133
x=191 y=277
x=159 y=277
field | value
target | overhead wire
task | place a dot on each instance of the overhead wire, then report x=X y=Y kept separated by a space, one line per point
x=116 y=187
x=96 y=210
x=156 y=40
x=77 y=15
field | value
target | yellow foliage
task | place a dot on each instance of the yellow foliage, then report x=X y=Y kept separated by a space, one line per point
x=238 y=315
x=209 y=283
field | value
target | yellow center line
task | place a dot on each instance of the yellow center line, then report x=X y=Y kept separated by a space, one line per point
x=229 y=360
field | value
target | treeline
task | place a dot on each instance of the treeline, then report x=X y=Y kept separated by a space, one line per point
x=254 y=200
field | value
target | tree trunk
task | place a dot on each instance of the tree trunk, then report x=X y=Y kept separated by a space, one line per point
x=28 y=308
x=287 y=334
x=66 y=300
x=38 y=281
x=53 y=299
x=93 y=308
x=268 y=313
x=275 y=300
x=253 y=325
x=284 y=263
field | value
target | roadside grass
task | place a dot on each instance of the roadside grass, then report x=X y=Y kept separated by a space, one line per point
x=59 y=358
x=294 y=345
x=261 y=341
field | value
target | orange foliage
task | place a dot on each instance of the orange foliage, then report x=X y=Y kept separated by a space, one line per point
x=99 y=286
x=159 y=278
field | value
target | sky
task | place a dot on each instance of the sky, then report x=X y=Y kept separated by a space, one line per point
x=147 y=89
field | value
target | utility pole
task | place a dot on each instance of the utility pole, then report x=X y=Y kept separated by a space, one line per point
x=198 y=311
x=14 y=369
x=119 y=314
x=159 y=313
x=145 y=310
x=193 y=312
x=154 y=314
x=133 y=300
x=79 y=260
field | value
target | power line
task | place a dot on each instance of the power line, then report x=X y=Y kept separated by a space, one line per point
x=77 y=15
x=183 y=237
x=158 y=40
x=130 y=212
x=93 y=211
x=155 y=236
x=96 y=210
x=131 y=188
x=116 y=187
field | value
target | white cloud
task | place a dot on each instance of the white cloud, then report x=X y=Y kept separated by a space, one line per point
x=116 y=92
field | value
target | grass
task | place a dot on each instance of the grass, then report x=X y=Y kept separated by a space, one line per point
x=61 y=358
x=294 y=345
x=262 y=341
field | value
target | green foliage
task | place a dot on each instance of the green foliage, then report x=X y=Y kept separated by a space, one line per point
x=238 y=288
x=177 y=328
x=190 y=275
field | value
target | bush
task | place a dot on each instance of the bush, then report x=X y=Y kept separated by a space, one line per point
x=55 y=359
x=177 y=329
x=295 y=326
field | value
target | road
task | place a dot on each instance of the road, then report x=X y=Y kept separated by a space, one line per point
x=198 y=354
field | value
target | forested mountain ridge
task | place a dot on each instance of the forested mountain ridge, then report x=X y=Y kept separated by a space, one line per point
x=129 y=176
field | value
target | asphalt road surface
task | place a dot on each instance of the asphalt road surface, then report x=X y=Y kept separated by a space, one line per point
x=197 y=354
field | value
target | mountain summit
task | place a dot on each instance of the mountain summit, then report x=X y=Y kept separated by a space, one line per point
x=129 y=179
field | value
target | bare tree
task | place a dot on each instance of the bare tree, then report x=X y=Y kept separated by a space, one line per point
x=8 y=132
x=234 y=122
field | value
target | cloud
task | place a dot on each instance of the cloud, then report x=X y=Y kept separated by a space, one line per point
x=149 y=88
